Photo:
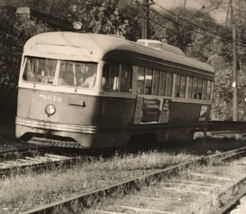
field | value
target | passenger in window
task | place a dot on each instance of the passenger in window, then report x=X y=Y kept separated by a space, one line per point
x=47 y=76
x=90 y=81
x=111 y=76
x=67 y=75
x=124 y=85
x=103 y=82
x=125 y=80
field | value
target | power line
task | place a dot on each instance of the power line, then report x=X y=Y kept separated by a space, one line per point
x=202 y=46
x=187 y=27
x=204 y=29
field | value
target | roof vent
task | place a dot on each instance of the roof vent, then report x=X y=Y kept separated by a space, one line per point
x=160 y=46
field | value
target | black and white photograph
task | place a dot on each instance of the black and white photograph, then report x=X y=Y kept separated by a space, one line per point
x=122 y=106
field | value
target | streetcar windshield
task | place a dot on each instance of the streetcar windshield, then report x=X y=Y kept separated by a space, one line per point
x=70 y=73
x=77 y=74
x=40 y=70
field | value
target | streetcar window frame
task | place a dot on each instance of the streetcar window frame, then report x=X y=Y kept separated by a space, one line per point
x=199 y=89
x=177 y=85
x=42 y=76
x=56 y=79
x=204 y=89
x=112 y=80
x=209 y=89
x=180 y=86
x=146 y=78
x=156 y=82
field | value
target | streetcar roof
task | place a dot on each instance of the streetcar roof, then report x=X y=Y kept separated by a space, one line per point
x=94 y=46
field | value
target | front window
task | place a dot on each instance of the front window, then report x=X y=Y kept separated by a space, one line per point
x=40 y=70
x=77 y=74
x=70 y=73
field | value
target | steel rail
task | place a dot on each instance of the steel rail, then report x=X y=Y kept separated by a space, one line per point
x=242 y=181
x=229 y=205
x=18 y=161
x=36 y=166
x=8 y=154
x=123 y=187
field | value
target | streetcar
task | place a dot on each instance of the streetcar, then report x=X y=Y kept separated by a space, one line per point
x=94 y=91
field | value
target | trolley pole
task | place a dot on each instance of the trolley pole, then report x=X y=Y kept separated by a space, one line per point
x=145 y=20
x=234 y=67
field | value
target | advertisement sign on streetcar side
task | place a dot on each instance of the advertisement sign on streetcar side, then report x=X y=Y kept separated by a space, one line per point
x=151 y=111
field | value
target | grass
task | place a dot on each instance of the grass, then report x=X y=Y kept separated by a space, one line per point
x=25 y=191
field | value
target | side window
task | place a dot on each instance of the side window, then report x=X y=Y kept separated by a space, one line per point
x=204 y=89
x=194 y=88
x=148 y=81
x=199 y=89
x=163 y=80
x=208 y=90
x=156 y=80
x=169 y=85
x=140 y=80
x=111 y=77
x=126 y=78
x=177 y=86
x=190 y=87
x=182 y=86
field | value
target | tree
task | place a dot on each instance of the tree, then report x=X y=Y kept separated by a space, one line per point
x=96 y=16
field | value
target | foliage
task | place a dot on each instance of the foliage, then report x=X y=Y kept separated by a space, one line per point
x=202 y=38
x=195 y=32
x=95 y=15
x=14 y=31
x=222 y=105
x=104 y=18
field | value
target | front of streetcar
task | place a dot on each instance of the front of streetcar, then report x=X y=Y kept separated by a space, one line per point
x=59 y=83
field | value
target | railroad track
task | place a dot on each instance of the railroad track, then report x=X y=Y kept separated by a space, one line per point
x=17 y=161
x=162 y=191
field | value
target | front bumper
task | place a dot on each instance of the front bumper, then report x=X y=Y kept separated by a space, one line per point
x=55 y=126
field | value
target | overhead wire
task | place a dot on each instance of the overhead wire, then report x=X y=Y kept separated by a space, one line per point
x=199 y=27
x=202 y=46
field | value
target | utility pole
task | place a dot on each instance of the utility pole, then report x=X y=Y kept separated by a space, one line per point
x=234 y=66
x=184 y=3
x=145 y=20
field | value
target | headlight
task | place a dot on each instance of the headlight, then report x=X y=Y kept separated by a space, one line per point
x=50 y=109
